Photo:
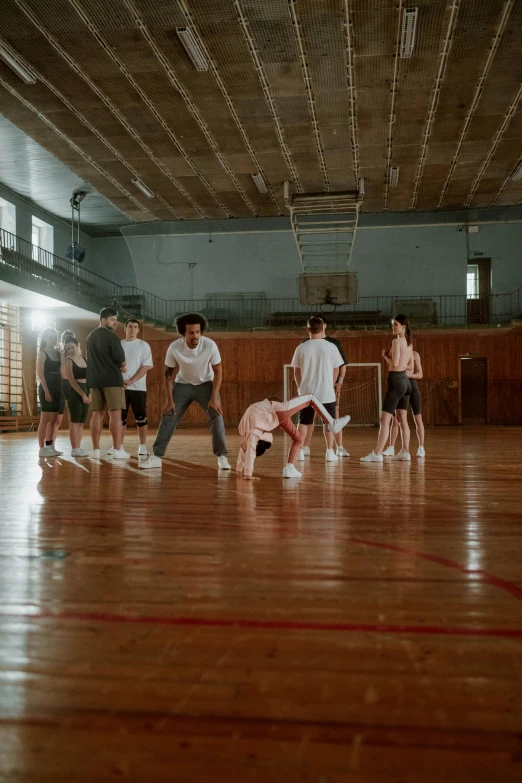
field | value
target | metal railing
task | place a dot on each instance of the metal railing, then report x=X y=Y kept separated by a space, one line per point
x=63 y=279
x=54 y=276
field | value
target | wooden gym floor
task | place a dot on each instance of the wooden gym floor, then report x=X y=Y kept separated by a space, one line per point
x=361 y=624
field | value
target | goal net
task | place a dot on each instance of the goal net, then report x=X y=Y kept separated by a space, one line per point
x=361 y=393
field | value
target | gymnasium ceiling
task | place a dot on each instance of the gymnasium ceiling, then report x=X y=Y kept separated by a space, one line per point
x=309 y=91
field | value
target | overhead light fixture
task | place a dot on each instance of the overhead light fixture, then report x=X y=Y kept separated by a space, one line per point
x=192 y=48
x=14 y=61
x=394 y=176
x=409 y=26
x=144 y=189
x=518 y=173
x=260 y=183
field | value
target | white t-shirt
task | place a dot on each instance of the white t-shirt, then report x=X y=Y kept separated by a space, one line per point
x=137 y=354
x=317 y=360
x=195 y=364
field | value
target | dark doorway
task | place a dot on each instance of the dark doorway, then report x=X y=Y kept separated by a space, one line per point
x=473 y=390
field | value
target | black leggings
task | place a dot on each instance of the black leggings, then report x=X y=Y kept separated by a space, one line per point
x=398 y=389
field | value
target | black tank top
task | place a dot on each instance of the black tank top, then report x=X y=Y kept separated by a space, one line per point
x=51 y=366
x=78 y=372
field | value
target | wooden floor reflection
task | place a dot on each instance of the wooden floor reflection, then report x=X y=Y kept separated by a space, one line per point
x=363 y=623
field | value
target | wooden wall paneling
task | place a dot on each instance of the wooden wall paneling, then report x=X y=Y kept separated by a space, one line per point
x=253 y=369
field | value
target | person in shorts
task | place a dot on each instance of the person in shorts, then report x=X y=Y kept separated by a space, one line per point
x=316 y=364
x=138 y=360
x=105 y=365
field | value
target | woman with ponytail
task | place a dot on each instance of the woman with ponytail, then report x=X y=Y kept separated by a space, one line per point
x=50 y=394
x=398 y=358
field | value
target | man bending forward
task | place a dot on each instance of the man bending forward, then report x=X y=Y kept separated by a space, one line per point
x=198 y=380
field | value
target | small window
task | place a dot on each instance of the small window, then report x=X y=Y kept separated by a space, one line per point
x=7 y=217
x=35 y=241
x=473 y=281
x=42 y=240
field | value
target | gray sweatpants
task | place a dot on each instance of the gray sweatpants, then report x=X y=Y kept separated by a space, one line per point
x=183 y=394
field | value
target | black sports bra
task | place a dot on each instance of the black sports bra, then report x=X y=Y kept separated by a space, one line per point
x=78 y=372
x=51 y=366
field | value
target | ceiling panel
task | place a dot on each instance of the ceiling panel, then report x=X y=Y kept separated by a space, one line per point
x=311 y=92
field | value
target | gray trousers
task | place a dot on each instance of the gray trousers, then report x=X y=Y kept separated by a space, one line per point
x=183 y=394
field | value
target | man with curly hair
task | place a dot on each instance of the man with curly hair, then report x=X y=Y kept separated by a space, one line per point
x=198 y=379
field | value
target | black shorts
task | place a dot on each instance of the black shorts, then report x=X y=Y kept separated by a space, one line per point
x=415 y=398
x=57 y=404
x=137 y=400
x=306 y=416
x=398 y=393
x=78 y=409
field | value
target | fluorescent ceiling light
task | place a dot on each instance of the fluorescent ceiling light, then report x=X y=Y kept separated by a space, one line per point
x=260 y=183
x=144 y=189
x=15 y=62
x=409 y=26
x=192 y=48
x=518 y=172
x=394 y=176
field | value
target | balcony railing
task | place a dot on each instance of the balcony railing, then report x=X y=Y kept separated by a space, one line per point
x=64 y=280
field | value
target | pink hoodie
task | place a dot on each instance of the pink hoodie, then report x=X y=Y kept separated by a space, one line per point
x=257 y=422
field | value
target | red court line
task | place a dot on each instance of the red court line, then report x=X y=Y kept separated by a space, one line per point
x=484 y=576
x=267 y=625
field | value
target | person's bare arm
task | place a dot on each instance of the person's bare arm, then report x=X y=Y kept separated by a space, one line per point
x=72 y=380
x=169 y=402
x=40 y=363
x=297 y=376
x=418 y=374
x=340 y=380
x=143 y=370
x=214 y=401
x=395 y=352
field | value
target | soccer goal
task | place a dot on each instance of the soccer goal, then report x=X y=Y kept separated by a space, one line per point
x=361 y=394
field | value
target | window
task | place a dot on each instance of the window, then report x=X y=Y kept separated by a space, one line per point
x=35 y=241
x=473 y=281
x=10 y=361
x=7 y=216
x=42 y=240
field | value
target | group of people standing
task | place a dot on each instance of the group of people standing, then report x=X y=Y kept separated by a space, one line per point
x=112 y=376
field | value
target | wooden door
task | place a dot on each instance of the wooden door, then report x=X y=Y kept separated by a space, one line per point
x=474 y=390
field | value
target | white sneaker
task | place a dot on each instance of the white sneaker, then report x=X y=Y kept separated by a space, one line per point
x=390 y=452
x=120 y=454
x=306 y=451
x=56 y=453
x=421 y=452
x=223 y=463
x=95 y=454
x=403 y=455
x=338 y=424
x=300 y=455
x=290 y=471
x=151 y=462
x=341 y=452
x=47 y=451
x=110 y=452
x=79 y=453
x=143 y=451
x=373 y=457
x=331 y=456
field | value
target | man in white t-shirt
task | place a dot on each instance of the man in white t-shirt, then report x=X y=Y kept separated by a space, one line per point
x=316 y=364
x=138 y=361
x=198 y=379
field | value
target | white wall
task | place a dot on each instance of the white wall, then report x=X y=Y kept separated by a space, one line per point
x=408 y=260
